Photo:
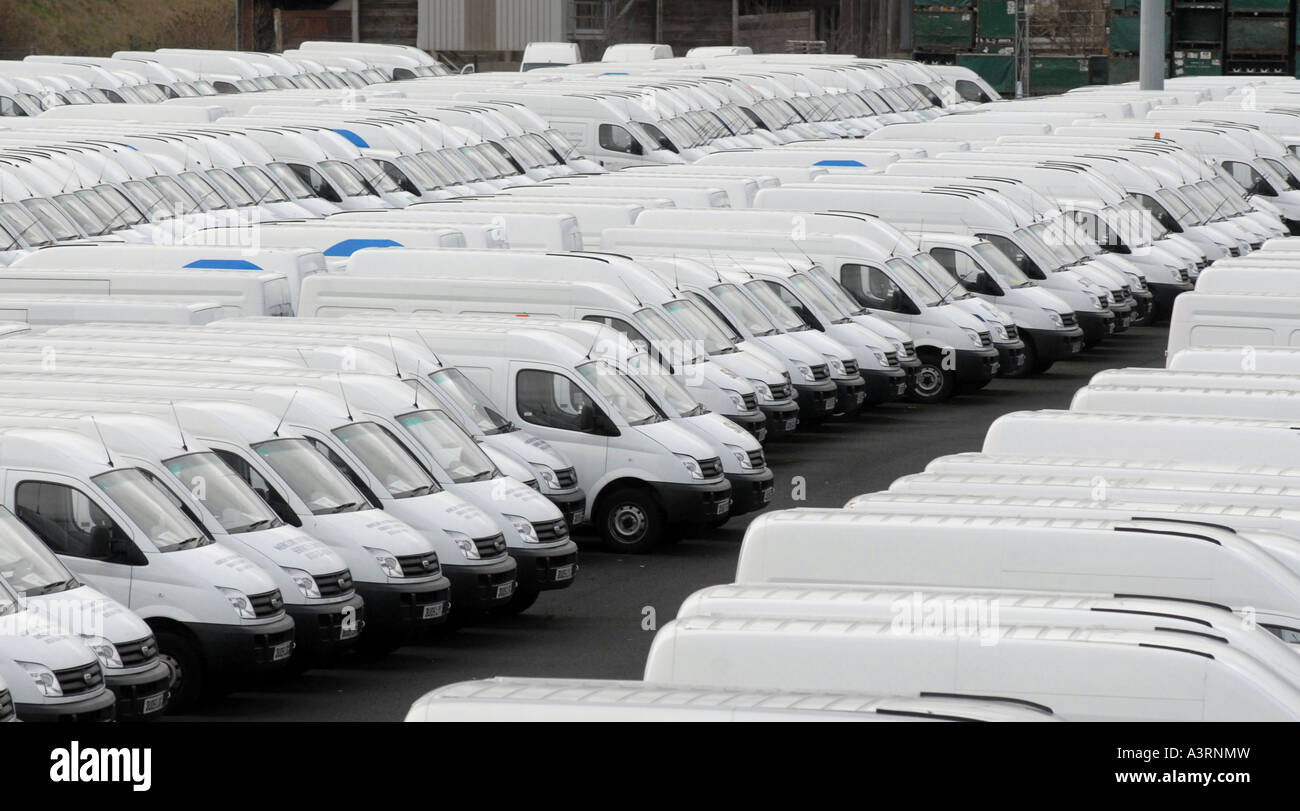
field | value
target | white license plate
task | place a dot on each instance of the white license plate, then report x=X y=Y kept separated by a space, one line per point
x=860 y=396
x=348 y=631
x=767 y=494
x=575 y=518
x=761 y=434
x=831 y=403
x=432 y=612
x=505 y=591
x=282 y=651
x=791 y=423
x=564 y=572
x=724 y=507
x=154 y=703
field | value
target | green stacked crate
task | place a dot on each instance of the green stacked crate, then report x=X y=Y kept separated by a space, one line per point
x=1126 y=33
x=1198 y=63
x=1258 y=37
x=999 y=70
x=941 y=29
x=1197 y=23
x=1251 y=35
x=996 y=21
x=1057 y=74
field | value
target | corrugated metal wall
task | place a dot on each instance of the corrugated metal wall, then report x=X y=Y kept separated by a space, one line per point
x=498 y=25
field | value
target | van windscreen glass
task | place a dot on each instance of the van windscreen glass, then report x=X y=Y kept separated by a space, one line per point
x=124 y=212
x=479 y=407
x=785 y=316
x=449 y=445
x=176 y=197
x=54 y=220
x=670 y=343
x=290 y=181
x=81 y=212
x=627 y=399
x=229 y=498
x=263 y=187
x=153 y=513
x=387 y=459
x=699 y=326
x=749 y=314
x=26 y=563
x=26 y=227
x=320 y=485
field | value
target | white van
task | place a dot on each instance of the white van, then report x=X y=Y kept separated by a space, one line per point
x=243 y=292
x=1082 y=675
x=683 y=196
x=55 y=677
x=294 y=264
x=740 y=191
x=1283 y=360
x=550 y=700
x=1248 y=396
x=593 y=216
x=1233 y=319
x=212 y=611
x=523 y=231
x=335 y=243
x=47 y=310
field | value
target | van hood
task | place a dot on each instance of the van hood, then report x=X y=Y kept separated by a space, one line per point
x=748 y=367
x=676 y=439
x=219 y=566
x=723 y=430
x=390 y=533
x=113 y=621
x=53 y=652
x=510 y=497
x=290 y=547
x=451 y=512
x=791 y=348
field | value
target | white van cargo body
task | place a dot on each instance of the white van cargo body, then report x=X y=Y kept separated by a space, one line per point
x=475 y=235
x=335 y=243
x=244 y=292
x=461 y=282
x=977 y=610
x=683 y=196
x=1233 y=319
x=294 y=264
x=593 y=216
x=740 y=191
x=523 y=231
x=46 y=310
x=828 y=157
x=1081 y=675
x=551 y=700
x=1191 y=397
x=1272 y=360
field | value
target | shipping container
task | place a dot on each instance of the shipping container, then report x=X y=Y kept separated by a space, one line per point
x=1198 y=23
x=1250 y=35
x=996 y=19
x=1126 y=34
x=999 y=70
x=943 y=30
x=1057 y=74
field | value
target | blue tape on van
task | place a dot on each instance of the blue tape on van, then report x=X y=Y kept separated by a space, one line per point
x=840 y=163
x=614 y=74
x=356 y=140
x=223 y=264
x=350 y=246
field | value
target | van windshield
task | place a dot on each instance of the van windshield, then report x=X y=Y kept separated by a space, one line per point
x=622 y=394
x=1008 y=272
x=655 y=377
x=229 y=498
x=916 y=285
x=54 y=220
x=347 y=179
x=700 y=326
x=174 y=195
x=387 y=459
x=563 y=146
x=234 y=192
x=836 y=292
x=150 y=510
x=124 y=212
x=668 y=342
x=24 y=225
x=1177 y=207
x=26 y=563
x=290 y=181
x=737 y=303
x=481 y=409
x=452 y=448
x=312 y=477
x=261 y=184
x=784 y=315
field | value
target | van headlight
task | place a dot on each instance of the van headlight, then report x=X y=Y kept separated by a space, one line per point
x=973 y=336
x=763 y=390
x=240 y=602
x=1099 y=303
x=105 y=650
x=742 y=458
x=47 y=684
x=807 y=373
x=837 y=365
x=465 y=544
x=524 y=527
x=691 y=464
x=736 y=400
x=1054 y=318
x=387 y=562
x=548 y=477
x=305 y=582
x=881 y=358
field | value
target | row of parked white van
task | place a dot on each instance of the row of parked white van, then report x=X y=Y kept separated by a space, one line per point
x=496 y=340
x=1136 y=557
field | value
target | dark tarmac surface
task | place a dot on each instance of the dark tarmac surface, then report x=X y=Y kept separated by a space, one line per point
x=595 y=628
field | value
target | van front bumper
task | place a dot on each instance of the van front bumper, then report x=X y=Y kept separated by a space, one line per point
x=240 y=653
x=1165 y=294
x=751 y=492
x=976 y=365
x=138 y=693
x=850 y=395
x=1011 y=356
x=694 y=503
x=406 y=610
x=573 y=506
x=1056 y=344
x=757 y=424
x=475 y=589
x=1096 y=326
x=884 y=386
x=323 y=631
x=547 y=568
x=83 y=710
x=782 y=419
x=817 y=401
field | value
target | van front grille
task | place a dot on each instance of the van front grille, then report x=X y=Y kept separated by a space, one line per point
x=6 y=706
x=425 y=565
x=711 y=468
x=336 y=584
x=1069 y=320
x=891 y=358
x=909 y=347
x=567 y=478
x=780 y=392
x=850 y=367
x=138 y=653
x=1013 y=334
x=549 y=531
x=756 y=459
x=986 y=339
x=491 y=547
x=75 y=681
x=267 y=604
x=750 y=401
x=821 y=372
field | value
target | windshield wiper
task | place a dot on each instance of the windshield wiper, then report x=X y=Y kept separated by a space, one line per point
x=698 y=411
x=351 y=506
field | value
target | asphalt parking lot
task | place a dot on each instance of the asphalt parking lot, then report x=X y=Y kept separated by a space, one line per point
x=603 y=625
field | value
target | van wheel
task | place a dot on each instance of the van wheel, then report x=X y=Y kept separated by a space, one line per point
x=630 y=522
x=932 y=383
x=189 y=687
x=1030 y=366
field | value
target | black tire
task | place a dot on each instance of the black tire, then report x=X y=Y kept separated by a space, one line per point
x=1043 y=366
x=716 y=523
x=1030 y=366
x=932 y=383
x=190 y=687
x=630 y=521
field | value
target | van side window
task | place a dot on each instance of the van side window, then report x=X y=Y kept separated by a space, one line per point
x=66 y=520
x=9 y=107
x=872 y=287
x=614 y=138
x=554 y=401
x=795 y=304
x=1249 y=179
x=260 y=486
x=622 y=326
x=1023 y=260
x=965 y=268
x=177 y=503
x=316 y=182
x=969 y=91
